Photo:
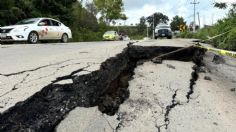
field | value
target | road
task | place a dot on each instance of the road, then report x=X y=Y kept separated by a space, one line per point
x=159 y=98
x=26 y=69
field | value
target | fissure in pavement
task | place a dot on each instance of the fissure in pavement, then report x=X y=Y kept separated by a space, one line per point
x=31 y=70
x=197 y=58
x=106 y=88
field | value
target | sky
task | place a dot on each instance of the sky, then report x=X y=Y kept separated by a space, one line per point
x=135 y=9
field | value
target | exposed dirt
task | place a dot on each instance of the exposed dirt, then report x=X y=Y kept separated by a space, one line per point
x=106 y=88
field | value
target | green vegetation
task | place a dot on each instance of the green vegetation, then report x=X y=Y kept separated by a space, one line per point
x=176 y=22
x=226 y=27
x=131 y=31
x=110 y=10
x=81 y=19
x=142 y=26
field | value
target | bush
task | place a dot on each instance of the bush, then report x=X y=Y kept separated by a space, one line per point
x=229 y=42
x=186 y=34
x=202 y=34
x=86 y=35
x=137 y=37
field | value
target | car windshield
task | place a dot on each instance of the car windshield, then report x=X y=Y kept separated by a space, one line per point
x=110 y=32
x=27 y=21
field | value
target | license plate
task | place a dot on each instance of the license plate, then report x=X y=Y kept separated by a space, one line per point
x=3 y=35
x=163 y=35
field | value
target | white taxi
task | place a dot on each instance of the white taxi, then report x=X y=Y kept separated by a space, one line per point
x=34 y=30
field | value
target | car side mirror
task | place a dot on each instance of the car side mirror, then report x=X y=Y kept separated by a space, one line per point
x=42 y=24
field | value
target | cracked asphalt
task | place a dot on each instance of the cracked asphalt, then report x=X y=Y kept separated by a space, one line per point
x=159 y=100
x=26 y=69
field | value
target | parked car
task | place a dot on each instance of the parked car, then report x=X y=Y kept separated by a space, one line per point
x=163 y=30
x=125 y=38
x=34 y=30
x=111 y=35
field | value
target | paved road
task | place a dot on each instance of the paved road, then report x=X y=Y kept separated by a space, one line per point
x=26 y=69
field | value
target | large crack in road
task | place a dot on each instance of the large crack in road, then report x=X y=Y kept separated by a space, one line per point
x=197 y=58
x=106 y=88
x=31 y=70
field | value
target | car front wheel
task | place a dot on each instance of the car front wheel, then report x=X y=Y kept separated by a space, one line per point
x=64 y=38
x=33 y=38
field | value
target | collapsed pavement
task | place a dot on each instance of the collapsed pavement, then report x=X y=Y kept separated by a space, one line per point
x=106 y=88
x=161 y=100
x=151 y=93
x=26 y=69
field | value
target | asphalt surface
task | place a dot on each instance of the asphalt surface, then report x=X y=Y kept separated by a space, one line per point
x=26 y=69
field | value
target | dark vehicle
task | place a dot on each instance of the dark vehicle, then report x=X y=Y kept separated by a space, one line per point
x=162 y=31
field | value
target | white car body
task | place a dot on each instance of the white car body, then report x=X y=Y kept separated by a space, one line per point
x=125 y=38
x=53 y=30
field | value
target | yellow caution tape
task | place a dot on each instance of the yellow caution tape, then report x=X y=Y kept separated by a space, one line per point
x=219 y=51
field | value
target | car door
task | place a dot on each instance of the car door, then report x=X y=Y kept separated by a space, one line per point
x=45 y=29
x=56 y=29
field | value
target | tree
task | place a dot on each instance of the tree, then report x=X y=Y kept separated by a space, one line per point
x=6 y=11
x=123 y=17
x=220 y=5
x=92 y=8
x=176 y=22
x=223 y=5
x=110 y=10
x=232 y=11
x=158 y=18
x=142 y=25
x=6 y=4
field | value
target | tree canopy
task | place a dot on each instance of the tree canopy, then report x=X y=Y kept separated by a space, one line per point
x=176 y=22
x=110 y=10
x=12 y=11
x=158 y=18
x=220 y=5
x=142 y=25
